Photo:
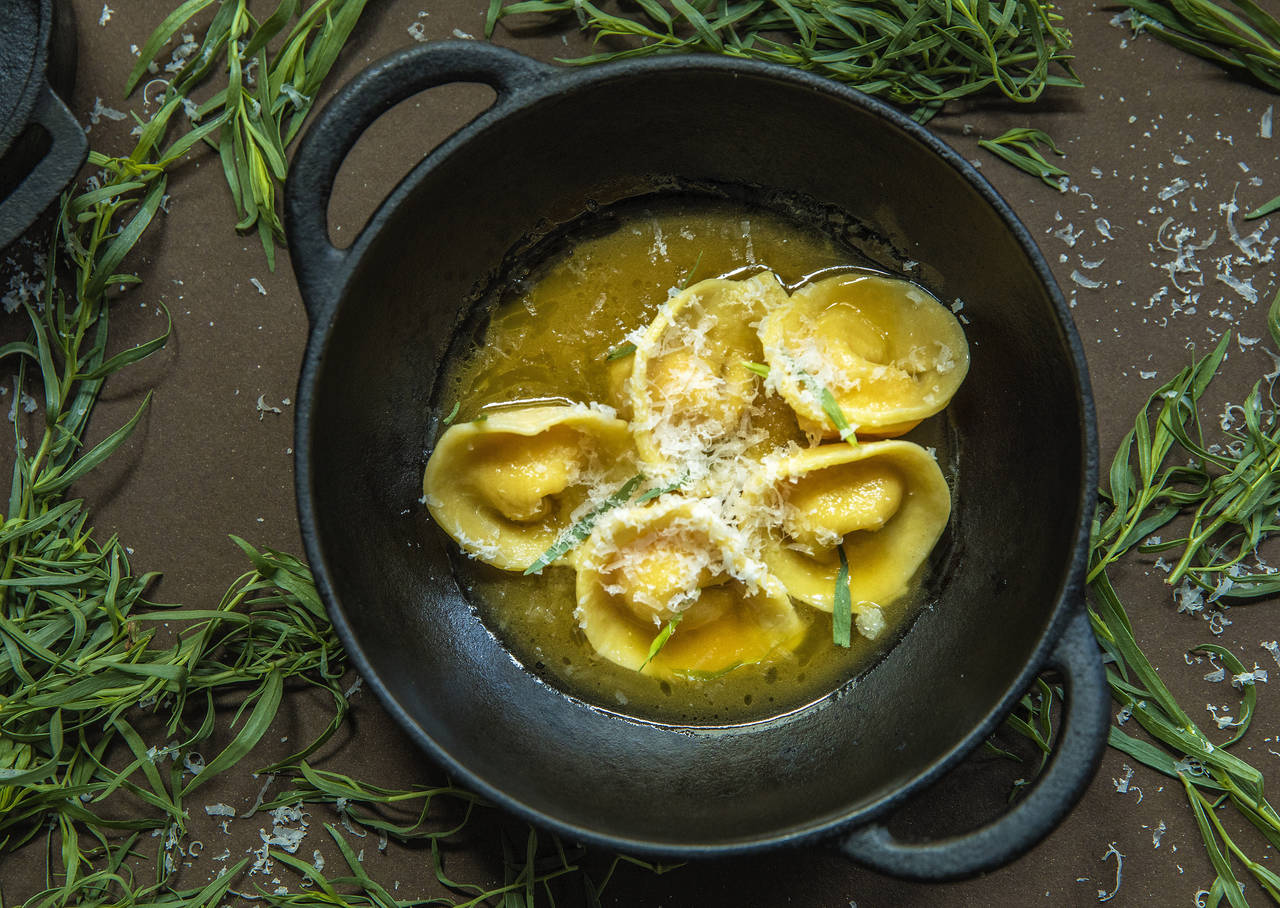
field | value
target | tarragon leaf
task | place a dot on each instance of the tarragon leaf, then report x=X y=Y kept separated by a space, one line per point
x=842 y=604
x=582 y=529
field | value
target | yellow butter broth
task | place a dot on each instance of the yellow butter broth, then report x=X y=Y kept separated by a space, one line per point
x=549 y=340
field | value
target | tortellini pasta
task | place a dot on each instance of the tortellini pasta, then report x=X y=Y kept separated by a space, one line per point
x=675 y=562
x=691 y=383
x=885 y=503
x=505 y=487
x=889 y=354
x=700 y=521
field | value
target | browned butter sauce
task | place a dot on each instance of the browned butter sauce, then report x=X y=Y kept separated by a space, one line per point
x=548 y=339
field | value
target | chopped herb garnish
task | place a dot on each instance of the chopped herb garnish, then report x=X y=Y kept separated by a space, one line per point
x=661 y=640
x=842 y=604
x=832 y=408
x=452 y=413
x=1020 y=147
x=758 y=368
x=826 y=400
x=656 y=493
x=582 y=529
x=1036 y=724
x=620 y=351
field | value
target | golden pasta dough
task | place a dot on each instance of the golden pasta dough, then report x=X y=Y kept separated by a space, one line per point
x=889 y=353
x=505 y=487
x=691 y=385
x=676 y=563
x=885 y=503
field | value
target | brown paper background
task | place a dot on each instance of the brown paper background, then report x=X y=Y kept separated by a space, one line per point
x=206 y=463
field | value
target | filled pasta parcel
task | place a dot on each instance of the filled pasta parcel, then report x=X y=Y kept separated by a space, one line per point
x=672 y=573
x=888 y=353
x=708 y=470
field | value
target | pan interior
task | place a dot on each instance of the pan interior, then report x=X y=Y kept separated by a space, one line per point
x=1019 y=453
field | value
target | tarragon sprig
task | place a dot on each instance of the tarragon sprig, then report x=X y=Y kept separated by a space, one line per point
x=1230 y=495
x=274 y=68
x=1238 y=35
x=1021 y=148
x=918 y=55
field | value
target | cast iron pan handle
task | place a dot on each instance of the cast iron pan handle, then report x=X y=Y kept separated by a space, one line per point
x=318 y=264
x=67 y=150
x=1075 y=757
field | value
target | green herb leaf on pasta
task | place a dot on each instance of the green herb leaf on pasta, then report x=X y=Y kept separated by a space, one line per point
x=842 y=604
x=582 y=529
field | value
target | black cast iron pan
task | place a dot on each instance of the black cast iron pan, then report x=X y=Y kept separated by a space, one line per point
x=554 y=144
x=41 y=143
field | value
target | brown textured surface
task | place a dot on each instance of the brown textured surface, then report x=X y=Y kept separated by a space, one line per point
x=205 y=462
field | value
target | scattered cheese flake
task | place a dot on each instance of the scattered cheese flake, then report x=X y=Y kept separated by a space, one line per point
x=1190 y=598
x=106 y=15
x=1103 y=895
x=264 y=408
x=1218 y=622
x=1086 y=282
x=1223 y=721
x=1157 y=834
x=1264 y=124
x=1176 y=187
x=1124 y=786
x=296 y=98
x=1251 y=677
x=870 y=620
x=341 y=805
x=100 y=110
x=1247 y=244
x=1218 y=674
x=1244 y=288
x=1068 y=234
